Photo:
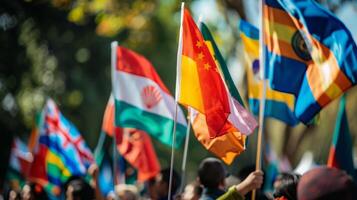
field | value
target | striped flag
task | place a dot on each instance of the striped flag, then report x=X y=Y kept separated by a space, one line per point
x=278 y=105
x=141 y=99
x=200 y=85
x=60 y=152
x=309 y=53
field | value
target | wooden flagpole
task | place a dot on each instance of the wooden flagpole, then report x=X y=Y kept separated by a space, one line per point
x=258 y=161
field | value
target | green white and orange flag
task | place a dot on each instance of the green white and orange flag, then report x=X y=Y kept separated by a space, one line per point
x=200 y=85
x=141 y=99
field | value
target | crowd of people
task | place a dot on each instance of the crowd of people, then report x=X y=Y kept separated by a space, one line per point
x=320 y=183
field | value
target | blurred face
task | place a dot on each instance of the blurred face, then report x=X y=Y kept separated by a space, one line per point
x=189 y=193
x=13 y=195
x=26 y=193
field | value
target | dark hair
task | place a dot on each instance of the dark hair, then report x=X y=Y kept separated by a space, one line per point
x=176 y=180
x=81 y=189
x=211 y=172
x=288 y=186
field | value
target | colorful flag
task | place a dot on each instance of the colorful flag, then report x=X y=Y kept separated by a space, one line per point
x=19 y=163
x=142 y=101
x=20 y=158
x=134 y=145
x=309 y=53
x=200 y=85
x=341 y=149
x=60 y=151
x=230 y=145
x=278 y=105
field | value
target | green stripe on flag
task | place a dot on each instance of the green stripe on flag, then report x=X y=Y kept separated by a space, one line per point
x=157 y=126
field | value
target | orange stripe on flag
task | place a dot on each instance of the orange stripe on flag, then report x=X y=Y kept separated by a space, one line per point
x=325 y=78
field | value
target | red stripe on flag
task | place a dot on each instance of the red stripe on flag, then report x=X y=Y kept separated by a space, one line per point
x=133 y=63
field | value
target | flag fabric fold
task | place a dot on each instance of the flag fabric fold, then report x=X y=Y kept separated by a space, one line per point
x=232 y=144
x=278 y=105
x=202 y=88
x=341 y=150
x=137 y=149
x=133 y=145
x=60 y=152
x=141 y=99
x=309 y=53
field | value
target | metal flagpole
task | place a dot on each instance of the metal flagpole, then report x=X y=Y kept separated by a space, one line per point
x=114 y=46
x=184 y=159
x=263 y=93
x=178 y=66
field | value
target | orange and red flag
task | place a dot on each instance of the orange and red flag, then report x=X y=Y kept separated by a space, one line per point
x=200 y=85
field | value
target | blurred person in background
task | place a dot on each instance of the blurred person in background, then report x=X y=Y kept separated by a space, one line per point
x=77 y=188
x=285 y=186
x=127 y=192
x=212 y=174
x=192 y=191
x=162 y=184
x=323 y=183
x=33 y=191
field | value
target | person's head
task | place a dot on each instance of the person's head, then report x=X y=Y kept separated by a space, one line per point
x=127 y=192
x=324 y=183
x=211 y=173
x=32 y=191
x=162 y=182
x=193 y=191
x=13 y=195
x=78 y=189
x=285 y=186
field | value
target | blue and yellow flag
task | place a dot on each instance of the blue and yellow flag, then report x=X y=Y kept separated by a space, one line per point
x=309 y=53
x=278 y=105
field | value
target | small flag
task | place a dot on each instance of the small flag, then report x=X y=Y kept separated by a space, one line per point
x=141 y=99
x=341 y=149
x=136 y=147
x=19 y=163
x=60 y=152
x=309 y=53
x=200 y=85
x=278 y=105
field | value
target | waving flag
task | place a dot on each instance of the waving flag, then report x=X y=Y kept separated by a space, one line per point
x=309 y=52
x=134 y=145
x=200 y=85
x=232 y=144
x=60 y=151
x=142 y=101
x=19 y=163
x=341 y=149
x=278 y=105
